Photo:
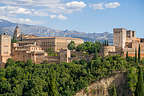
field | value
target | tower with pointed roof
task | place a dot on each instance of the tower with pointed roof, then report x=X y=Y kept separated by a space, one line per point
x=16 y=34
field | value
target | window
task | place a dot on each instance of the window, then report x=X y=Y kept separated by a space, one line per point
x=129 y=45
x=133 y=34
x=5 y=45
x=5 y=52
x=128 y=34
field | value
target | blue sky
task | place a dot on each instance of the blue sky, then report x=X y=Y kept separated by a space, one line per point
x=80 y=15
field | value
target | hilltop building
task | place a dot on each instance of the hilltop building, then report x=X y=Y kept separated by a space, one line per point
x=124 y=41
x=38 y=49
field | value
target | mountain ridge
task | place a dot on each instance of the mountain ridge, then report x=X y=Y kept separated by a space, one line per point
x=8 y=27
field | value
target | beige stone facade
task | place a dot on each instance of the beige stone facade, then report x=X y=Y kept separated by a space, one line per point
x=109 y=49
x=31 y=51
x=5 y=49
x=55 y=43
x=22 y=51
x=119 y=37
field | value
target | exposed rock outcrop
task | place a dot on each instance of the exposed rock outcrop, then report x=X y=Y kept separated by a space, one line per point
x=101 y=87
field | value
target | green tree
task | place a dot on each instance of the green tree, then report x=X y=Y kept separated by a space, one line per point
x=29 y=62
x=127 y=57
x=132 y=79
x=71 y=45
x=139 y=54
x=96 y=54
x=5 y=87
x=10 y=62
x=80 y=47
x=142 y=61
x=114 y=91
x=140 y=85
x=136 y=59
x=107 y=43
x=2 y=74
x=14 y=41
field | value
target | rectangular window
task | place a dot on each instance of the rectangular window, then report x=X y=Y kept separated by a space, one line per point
x=128 y=34
x=5 y=45
x=133 y=34
x=5 y=52
x=129 y=45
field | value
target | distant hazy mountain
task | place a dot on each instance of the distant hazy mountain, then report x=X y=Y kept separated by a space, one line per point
x=8 y=27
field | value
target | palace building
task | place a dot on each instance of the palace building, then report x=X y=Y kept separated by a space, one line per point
x=35 y=48
x=55 y=43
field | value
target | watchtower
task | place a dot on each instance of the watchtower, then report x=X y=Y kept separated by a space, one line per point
x=16 y=34
x=5 y=48
x=119 y=37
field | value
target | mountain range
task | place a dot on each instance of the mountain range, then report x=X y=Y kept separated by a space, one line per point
x=8 y=27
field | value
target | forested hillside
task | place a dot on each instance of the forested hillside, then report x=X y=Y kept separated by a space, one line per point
x=65 y=79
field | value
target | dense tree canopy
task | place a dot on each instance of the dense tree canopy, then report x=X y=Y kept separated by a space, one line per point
x=140 y=85
x=65 y=79
x=28 y=79
x=89 y=47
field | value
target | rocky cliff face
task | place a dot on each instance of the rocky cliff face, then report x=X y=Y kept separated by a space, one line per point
x=102 y=87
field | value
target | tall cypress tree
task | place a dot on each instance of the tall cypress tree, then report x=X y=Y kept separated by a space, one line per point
x=114 y=91
x=136 y=56
x=127 y=56
x=107 y=43
x=96 y=54
x=139 y=54
x=140 y=86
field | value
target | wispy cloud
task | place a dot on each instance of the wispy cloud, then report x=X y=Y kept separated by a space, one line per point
x=19 y=20
x=60 y=16
x=76 y=4
x=54 y=9
x=40 y=8
x=100 y=6
x=112 y=5
x=53 y=6
x=14 y=10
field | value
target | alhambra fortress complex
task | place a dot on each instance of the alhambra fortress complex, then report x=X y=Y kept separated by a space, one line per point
x=36 y=48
